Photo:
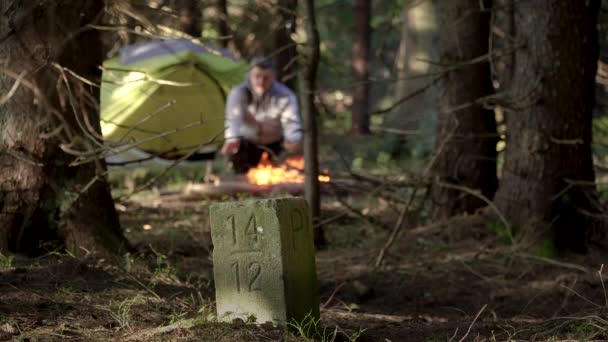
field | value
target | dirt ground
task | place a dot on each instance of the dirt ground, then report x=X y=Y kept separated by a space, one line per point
x=458 y=281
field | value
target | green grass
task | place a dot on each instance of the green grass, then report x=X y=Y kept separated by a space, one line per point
x=311 y=329
x=120 y=311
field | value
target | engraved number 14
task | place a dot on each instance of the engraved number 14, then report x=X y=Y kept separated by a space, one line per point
x=251 y=229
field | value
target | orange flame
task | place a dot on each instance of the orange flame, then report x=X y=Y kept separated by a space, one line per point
x=289 y=172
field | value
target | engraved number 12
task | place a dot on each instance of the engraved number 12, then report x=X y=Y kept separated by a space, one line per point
x=254 y=269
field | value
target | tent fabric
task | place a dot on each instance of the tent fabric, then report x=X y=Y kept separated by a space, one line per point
x=137 y=52
x=167 y=97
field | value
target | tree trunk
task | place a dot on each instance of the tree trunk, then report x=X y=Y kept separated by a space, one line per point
x=503 y=39
x=360 y=65
x=601 y=88
x=43 y=200
x=548 y=183
x=223 y=30
x=307 y=91
x=418 y=42
x=190 y=17
x=466 y=132
x=284 y=46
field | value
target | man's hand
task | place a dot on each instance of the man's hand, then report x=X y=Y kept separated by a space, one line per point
x=291 y=146
x=231 y=147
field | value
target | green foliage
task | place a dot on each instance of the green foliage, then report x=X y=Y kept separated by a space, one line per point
x=546 y=248
x=6 y=261
x=369 y=153
x=500 y=230
x=207 y=313
x=129 y=261
x=584 y=330
x=162 y=265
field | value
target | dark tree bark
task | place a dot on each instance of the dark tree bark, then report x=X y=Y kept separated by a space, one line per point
x=360 y=65
x=601 y=89
x=548 y=182
x=307 y=91
x=503 y=39
x=44 y=200
x=223 y=30
x=466 y=135
x=190 y=17
x=283 y=44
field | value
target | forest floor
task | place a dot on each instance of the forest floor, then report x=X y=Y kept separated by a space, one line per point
x=457 y=281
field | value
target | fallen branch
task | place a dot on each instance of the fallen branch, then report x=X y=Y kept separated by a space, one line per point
x=332 y=295
x=146 y=334
x=397 y=228
x=555 y=262
x=471 y=325
x=392 y=237
x=330 y=220
x=368 y=219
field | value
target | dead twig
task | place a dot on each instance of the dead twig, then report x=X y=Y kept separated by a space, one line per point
x=407 y=97
x=397 y=228
x=475 y=273
x=399 y=223
x=392 y=237
x=483 y=198
x=13 y=89
x=168 y=168
x=602 y=281
x=330 y=220
x=472 y=323
x=580 y=296
x=555 y=262
x=148 y=333
x=332 y=295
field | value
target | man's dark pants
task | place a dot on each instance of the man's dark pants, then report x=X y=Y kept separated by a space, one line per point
x=249 y=154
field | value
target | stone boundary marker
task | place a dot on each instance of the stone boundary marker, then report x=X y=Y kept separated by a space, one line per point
x=264 y=261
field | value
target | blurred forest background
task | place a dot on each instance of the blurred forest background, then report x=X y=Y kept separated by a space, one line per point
x=466 y=140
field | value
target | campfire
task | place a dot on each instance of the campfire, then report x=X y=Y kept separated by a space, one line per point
x=266 y=178
x=291 y=171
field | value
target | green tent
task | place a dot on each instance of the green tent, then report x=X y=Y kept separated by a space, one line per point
x=167 y=97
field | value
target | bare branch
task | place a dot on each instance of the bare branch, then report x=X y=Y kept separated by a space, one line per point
x=14 y=88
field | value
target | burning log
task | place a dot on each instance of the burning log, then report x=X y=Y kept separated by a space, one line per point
x=267 y=179
x=206 y=190
x=290 y=171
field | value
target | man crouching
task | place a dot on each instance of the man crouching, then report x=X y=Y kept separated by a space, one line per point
x=261 y=115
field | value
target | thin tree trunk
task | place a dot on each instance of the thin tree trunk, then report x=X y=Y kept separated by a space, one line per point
x=360 y=65
x=308 y=86
x=601 y=89
x=283 y=44
x=466 y=137
x=190 y=17
x=223 y=30
x=548 y=183
x=503 y=42
x=43 y=200
x=418 y=42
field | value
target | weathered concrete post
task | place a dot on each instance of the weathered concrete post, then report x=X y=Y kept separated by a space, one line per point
x=263 y=261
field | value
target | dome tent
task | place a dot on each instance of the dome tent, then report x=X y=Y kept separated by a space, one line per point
x=167 y=97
